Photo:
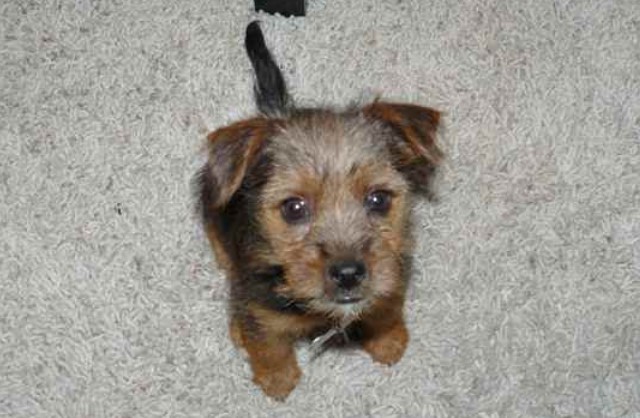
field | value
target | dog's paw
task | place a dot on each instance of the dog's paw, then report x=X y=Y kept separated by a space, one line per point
x=278 y=383
x=388 y=347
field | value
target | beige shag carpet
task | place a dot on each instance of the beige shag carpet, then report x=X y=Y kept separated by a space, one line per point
x=525 y=300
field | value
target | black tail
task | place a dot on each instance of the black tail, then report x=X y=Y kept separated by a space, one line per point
x=270 y=89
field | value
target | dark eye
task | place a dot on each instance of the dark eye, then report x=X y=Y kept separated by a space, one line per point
x=378 y=201
x=294 y=210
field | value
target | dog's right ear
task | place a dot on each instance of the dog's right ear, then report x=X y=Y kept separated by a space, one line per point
x=232 y=151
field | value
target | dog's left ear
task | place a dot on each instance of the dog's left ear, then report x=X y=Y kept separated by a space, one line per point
x=413 y=145
x=233 y=150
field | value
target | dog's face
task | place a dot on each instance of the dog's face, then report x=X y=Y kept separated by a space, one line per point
x=334 y=199
x=334 y=212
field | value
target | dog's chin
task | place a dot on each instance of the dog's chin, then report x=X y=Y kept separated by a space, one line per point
x=351 y=311
x=343 y=310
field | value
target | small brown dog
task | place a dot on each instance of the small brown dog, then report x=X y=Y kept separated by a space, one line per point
x=307 y=211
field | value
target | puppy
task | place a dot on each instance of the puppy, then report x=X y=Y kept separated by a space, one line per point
x=307 y=211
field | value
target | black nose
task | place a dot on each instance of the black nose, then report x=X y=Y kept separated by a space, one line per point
x=348 y=274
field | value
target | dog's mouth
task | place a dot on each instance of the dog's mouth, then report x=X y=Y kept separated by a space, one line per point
x=348 y=296
x=348 y=299
x=345 y=281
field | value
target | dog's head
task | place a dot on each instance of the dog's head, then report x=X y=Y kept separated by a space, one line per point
x=330 y=195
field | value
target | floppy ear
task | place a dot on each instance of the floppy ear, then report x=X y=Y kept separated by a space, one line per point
x=232 y=152
x=414 y=144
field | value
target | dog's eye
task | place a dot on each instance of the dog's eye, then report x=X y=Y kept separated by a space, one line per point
x=378 y=201
x=294 y=210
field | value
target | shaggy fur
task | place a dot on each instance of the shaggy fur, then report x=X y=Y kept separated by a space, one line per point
x=339 y=264
x=524 y=297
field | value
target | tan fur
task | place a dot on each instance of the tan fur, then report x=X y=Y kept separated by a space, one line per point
x=335 y=179
x=333 y=161
x=248 y=136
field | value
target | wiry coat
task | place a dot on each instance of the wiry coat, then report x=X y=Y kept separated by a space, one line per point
x=334 y=163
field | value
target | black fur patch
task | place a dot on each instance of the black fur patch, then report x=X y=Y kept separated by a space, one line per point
x=262 y=286
x=239 y=229
x=205 y=188
x=270 y=88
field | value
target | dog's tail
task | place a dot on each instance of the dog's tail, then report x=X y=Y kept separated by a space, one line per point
x=270 y=89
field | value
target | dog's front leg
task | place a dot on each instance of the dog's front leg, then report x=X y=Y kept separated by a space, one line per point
x=274 y=365
x=386 y=336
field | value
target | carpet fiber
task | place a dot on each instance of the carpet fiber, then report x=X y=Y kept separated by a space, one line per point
x=526 y=293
